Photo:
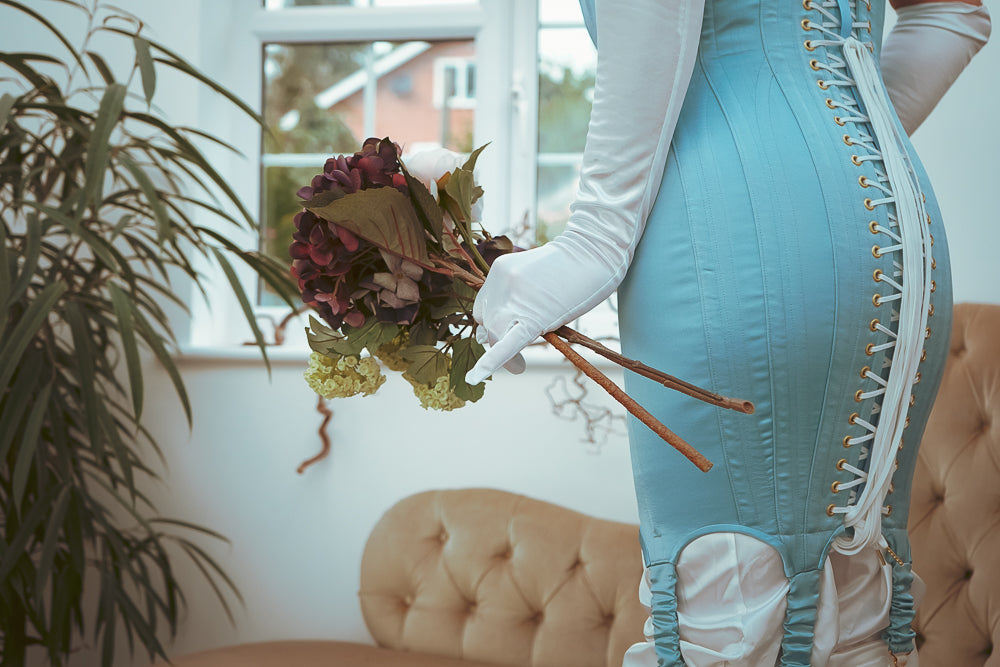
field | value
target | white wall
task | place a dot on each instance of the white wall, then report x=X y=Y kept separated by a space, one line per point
x=297 y=540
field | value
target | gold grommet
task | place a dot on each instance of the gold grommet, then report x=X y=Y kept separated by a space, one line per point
x=916 y=379
x=856 y=160
x=869 y=205
x=888 y=510
x=835 y=487
x=892 y=487
x=869 y=349
x=877 y=273
x=806 y=5
x=863 y=181
x=923 y=356
x=814 y=64
x=932 y=239
x=829 y=510
x=900 y=443
x=853 y=419
x=840 y=464
x=872 y=226
x=933 y=285
x=864 y=372
x=906 y=423
x=847 y=442
x=873 y=325
x=913 y=399
x=927 y=332
x=930 y=311
x=928 y=218
x=838 y=121
x=857 y=396
x=809 y=45
x=933 y=263
x=829 y=103
x=869 y=28
x=924 y=197
x=822 y=84
x=877 y=300
x=877 y=252
x=805 y=24
x=847 y=140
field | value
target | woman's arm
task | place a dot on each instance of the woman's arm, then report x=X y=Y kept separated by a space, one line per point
x=930 y=45
x=645 y=57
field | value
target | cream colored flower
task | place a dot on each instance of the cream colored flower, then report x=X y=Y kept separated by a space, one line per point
x=343 y=377
x=437 y=397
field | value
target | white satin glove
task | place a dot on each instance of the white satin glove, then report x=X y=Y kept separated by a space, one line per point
x=925 y=52
x=646 y=54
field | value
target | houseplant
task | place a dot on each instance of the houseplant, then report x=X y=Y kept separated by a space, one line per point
x=102 y=210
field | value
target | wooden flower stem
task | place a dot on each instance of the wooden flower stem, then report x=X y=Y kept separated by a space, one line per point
x=665 y=379
x=630 y=404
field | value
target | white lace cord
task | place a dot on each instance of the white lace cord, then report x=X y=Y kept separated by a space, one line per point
x=913 y=294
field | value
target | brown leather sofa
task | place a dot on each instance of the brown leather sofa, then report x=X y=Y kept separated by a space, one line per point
x=469 y=578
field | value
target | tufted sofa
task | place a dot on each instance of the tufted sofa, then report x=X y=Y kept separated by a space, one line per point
x=469 y=578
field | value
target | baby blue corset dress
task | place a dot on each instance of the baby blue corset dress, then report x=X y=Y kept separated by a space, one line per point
x=794 y=257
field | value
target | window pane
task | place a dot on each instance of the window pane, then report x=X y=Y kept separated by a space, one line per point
x=325 y=99
x=559 y=11
x=567 y=66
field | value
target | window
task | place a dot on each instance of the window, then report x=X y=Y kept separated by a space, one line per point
x=454 y=73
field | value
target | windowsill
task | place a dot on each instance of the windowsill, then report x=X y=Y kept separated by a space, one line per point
x=537 y=356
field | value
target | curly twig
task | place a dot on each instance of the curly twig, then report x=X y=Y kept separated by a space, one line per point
x=324 y=436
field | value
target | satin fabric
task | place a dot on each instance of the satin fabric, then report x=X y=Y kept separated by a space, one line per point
x=732 y=589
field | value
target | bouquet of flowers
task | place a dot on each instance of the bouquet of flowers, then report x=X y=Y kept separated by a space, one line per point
x=391 y=257
x=389 y=263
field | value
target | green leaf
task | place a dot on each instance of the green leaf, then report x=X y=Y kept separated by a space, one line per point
x=29 y=443
x=84 y=354
x=16 y=545
x=427 y=209
x=18 y=398
x=50 y=543
x=465 y=352
x=102 y=67
x=146 y=68
x=164 y=230
x=155 y=342
x=237 y=287
x=461 y=187
x=99 y=148
x=31 y=252
x=28 y=325
x=427 y=363
x=6 y=104
x=126 y=329
x=383 y=216
x=470 y=164
x=41 y=19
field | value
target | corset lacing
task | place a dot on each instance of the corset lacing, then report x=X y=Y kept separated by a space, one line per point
x=873 y=128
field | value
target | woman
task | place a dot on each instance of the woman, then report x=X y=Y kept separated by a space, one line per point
x=791 y=253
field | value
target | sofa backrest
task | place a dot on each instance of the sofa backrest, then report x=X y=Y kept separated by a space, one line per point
x=955 y=508
x=493 y=576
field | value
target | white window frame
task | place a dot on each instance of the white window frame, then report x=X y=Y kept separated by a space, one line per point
x=461 y=99
x=505 y=34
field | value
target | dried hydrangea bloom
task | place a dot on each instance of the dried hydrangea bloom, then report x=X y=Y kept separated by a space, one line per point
x=438 y=397
x=343 y=377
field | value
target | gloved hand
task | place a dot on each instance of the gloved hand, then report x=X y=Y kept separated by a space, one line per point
x=645 y=57
x=925 y=52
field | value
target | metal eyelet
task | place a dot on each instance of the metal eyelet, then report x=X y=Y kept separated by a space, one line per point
x=872 y=226
x=839 y=121
x=863 y=181
x=869 y=28
x=805 y=24
x=822 y=84
x=840 y=464
x=806 y=5
x=877 y=300
x=906 y=424
x=923 y=197
x=835 y=487
x=864 y=372
x=923 y=355
x=829 y=510
x=913 y=400
x=809 y=45
x=933 y=263
x=847 y=140
x=853 y=419
x=877 y=273
x=856 y=160
x=814 y=64
x=916 y=378
x=869 y=205
x=873 y=325
x=932 y=239
x=933 y=285
x=928 y=218
x=857 y=396
x=877 y=252
x=930 y=311
x=927 y=332
x=869 y=349
x=888 y=510
x=892 y=487
x=830 y=103
x=847 y=442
